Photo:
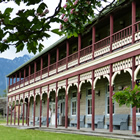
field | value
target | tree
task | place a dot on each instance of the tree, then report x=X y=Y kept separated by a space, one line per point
x=30 y=27
x=128 y=97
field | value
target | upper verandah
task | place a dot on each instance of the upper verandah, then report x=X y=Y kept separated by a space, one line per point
x=91 y=44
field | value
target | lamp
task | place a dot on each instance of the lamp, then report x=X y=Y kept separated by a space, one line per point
x=120 y=87
x=97 y=92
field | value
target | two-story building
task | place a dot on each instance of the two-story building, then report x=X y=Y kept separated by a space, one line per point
x=77 y=77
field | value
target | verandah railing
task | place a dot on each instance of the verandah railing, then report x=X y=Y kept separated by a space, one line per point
x=119 y=39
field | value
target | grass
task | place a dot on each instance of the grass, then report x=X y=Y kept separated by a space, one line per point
x=2 y=121
x=7 y=133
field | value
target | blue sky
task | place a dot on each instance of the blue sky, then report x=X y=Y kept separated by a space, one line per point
x=11 y=53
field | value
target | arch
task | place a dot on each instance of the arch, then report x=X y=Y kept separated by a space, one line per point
x=76 y=84
x=95 y=81
x=107 y=76
x=136 y=72
x=80 y=85
x=50 y=92
x=129 y=71
x=113 y=77
x=59 y=89
x=43 y=94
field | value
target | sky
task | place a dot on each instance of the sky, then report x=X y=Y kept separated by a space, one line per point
x=11 y=53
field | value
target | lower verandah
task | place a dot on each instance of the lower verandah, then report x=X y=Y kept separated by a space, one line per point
x=101 y=103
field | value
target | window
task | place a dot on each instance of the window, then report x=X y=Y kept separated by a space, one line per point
x=138 y=110
x=89 y=101
x=73 y=102
x=73 y=107
x=89 y=106
x=108 y=105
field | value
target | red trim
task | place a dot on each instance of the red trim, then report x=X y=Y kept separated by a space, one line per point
x=134 y=108
x=28 y=108
x=66 y=105
x=110 y=102
x=23 y=111
x=57 y=59
x=24 y=76
x=108 y=62
x=93 y=102
x=111 y=31
x=56 y=98
x=48 y=108
x=19 y=109
x=40 y=106
x=34 y=71
x=48 y=63
x=11 y=109
x=93 y=41
x=15 y=112
x=78 y=104
x=41 y=67
x=34 y=109
x=79 y=48
x=133 y=20
x=67 y=45
x=29 y=73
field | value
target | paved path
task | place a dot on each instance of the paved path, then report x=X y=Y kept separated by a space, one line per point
x=117 y=134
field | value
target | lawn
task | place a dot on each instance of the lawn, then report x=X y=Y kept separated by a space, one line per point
x=7 y=133
x=2 y=121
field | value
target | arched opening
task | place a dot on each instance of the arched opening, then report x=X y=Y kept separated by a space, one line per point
x=102 y=101
x=86 y=104
x=122 y=80
x=44 y=109
x=52 y=107
x=31 y=110
x=72 y=105
x=37 y=109
x=61 y=107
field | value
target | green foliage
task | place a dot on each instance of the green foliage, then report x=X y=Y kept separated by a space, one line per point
x=31 y=26
x=78 y=13
x=128 y=97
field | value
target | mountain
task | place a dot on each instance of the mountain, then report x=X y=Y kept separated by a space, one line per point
x=7 y=66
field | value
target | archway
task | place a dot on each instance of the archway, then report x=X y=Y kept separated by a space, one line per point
x=61 y=107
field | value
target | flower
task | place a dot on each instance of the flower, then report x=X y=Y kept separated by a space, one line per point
x=61 y=27
x=46 y=11
x=65 y=6
x=66 y=19
x=71 y=11
x=76 y=2
x=62 y=16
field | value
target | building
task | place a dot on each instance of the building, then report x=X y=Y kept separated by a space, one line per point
x=79 y=75
x=3 y=104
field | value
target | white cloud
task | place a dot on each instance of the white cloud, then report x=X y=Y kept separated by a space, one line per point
x=11 y=53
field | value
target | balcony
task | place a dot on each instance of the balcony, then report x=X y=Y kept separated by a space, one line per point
x=115 y=42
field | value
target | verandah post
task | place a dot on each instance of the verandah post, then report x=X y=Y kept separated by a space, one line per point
x=134 y=108
x=66 y=105
x=110 y=102
x=93 y=101
x=40 y=106
x=48 y=107
x=78 y=104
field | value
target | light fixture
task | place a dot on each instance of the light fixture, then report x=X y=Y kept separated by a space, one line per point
x=97 y=92
x=120 y=87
